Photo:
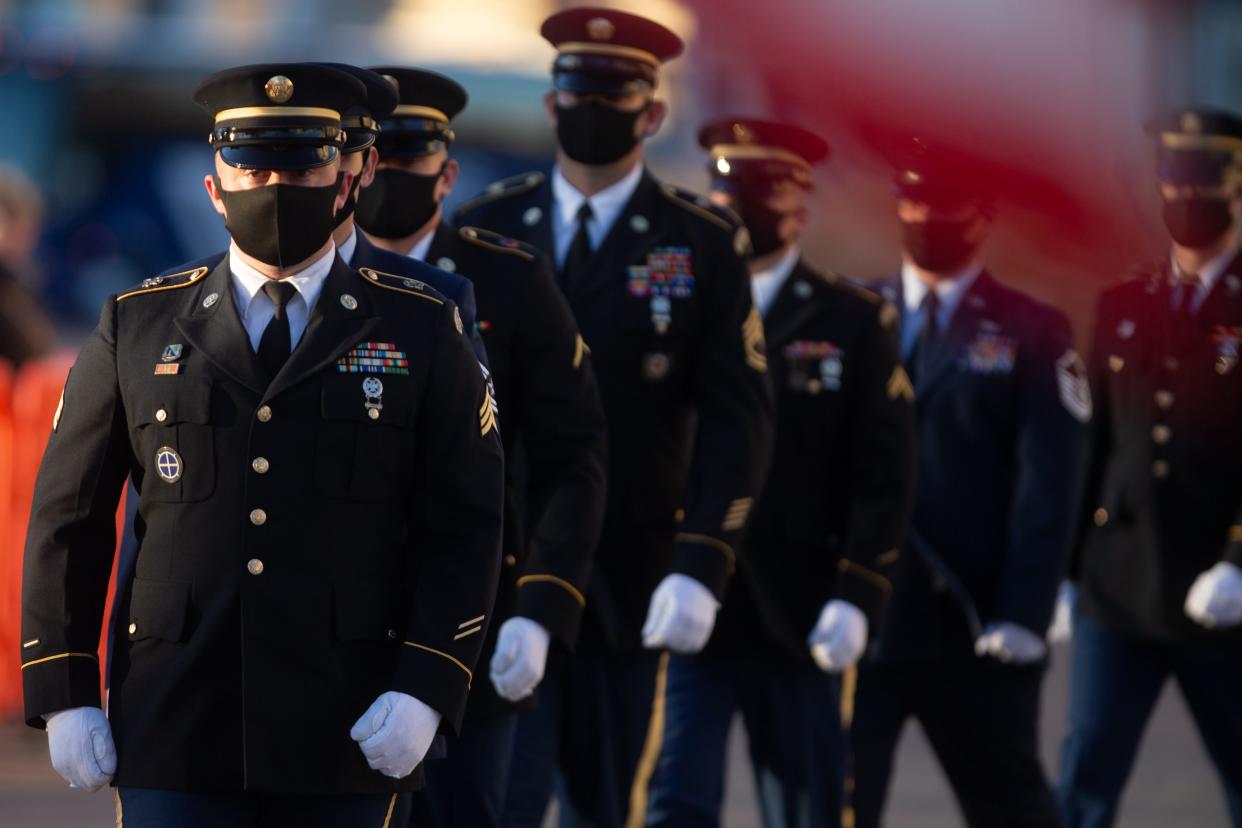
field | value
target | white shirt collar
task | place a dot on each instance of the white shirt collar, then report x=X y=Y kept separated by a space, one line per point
x=420 y=248
x=348 y=247
x=949 y=291
x=766 y=284
x=606 y=206
x=309 y=281
x=1211 y=271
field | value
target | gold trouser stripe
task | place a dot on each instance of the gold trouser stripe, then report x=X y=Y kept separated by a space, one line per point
x=471 y=622
x=560 y=582
x=467 y=633
x=120 y=813
x=91 y=656
x=1235 y=534
x=651 y=750
x=849 y=683
x=392 y=803
x=469 y=675
x=708 y=540
x=874 y=578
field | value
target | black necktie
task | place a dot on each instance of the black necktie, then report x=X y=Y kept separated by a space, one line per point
x=579 y=250
x=1188 y=290
x=929 y=335
x=275 y=345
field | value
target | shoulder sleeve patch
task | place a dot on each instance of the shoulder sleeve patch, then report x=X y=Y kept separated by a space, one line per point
x=399 y=284
x=504 y=188
x=752 y=342
x=701 y=207
x=170 y=282
x=494 y=241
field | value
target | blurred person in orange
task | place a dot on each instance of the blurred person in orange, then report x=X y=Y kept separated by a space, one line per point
x=25 y=329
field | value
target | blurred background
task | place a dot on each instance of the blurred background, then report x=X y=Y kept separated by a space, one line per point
x=103 y=154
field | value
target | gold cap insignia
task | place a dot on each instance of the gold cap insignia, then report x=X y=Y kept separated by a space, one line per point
x=912 y=177
x=743 y=134
x=600 y=28
x=393 y=81
x=1191 y=123
x=279 y=88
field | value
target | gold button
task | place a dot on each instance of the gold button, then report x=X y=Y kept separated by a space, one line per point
x=133 y=628
x=260 y=465
x=264 y=413
x=258 y=517
x=254 y=566
x=1161 y=433
x=1164 y=400
x=1171 y=364
x=510 y=560
x=161 y=415
x=1160 y=469
x=1100 y=517
x=373 y=413
x=1116 y=363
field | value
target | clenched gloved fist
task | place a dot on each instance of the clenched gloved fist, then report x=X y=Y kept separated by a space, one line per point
x=1010 y=643
x=1215 y=598
x=681 y=615
x=80 y=741
x=520 y=658
x=395 y=732
x=839 y=636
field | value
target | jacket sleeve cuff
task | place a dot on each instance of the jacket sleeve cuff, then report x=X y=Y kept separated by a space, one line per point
x=708 y=560
x=864 y=588
x=435 y=678
x=553 y=602
x=60 y=682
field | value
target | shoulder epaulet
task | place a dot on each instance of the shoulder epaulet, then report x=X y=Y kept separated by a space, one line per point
x=494 y=241
x=516 y=185
x=701 y=207
x=853 y=286
x=399 y=284
x=170 y=282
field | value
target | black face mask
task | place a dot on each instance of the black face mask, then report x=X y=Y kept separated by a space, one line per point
x=351 y=202
x=594 y=133
x=1197 y=221
x=938 y=245
x=280 y=224
x=764 y=226
x=398 y=203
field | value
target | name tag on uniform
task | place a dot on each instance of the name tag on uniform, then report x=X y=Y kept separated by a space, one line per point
x=990 y=353
x=374 y=358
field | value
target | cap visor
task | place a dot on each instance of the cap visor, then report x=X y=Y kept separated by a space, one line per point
x=278 y=156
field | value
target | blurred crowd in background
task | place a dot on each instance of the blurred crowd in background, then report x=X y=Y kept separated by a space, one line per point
x=104 y=152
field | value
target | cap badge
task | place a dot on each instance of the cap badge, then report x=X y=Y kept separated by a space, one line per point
x=1191 y=123
x=743 y=134
x=279 y=88
x=600 y=28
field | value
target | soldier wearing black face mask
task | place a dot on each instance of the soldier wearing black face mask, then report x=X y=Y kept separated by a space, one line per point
x=553 y=436
x=1001 y=402
x=1158 y=558
x=656 y=279
x=320 y=511
x=825 y=534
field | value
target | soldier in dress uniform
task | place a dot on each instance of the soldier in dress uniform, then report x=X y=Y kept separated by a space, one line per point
x=1002 y=399
x=827 y=529
x=321 y=499
x=1159 y=554
x=554 y=437
x=656 y=279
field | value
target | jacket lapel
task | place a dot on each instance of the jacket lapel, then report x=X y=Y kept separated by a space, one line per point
x=445 y=245
x=633 y=232
x=1224 y=293
x=962 y=327
x=792 y=306
x=216 y=329
x=331 y=329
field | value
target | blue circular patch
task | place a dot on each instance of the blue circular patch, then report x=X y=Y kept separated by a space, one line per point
x=168 y=464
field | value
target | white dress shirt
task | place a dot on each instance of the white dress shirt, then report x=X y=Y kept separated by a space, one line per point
x=765 y=284
x=1208 y=274
x=418 y=251
x=606 y=206
x=950 y=291
x=256 y=309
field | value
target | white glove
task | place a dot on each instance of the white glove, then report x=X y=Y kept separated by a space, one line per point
x=1062 y=628
x=395 y=732
x=839 y=636
x=80 y=742
x=1215 y=598
x=681 y=615
x=520 y=658
x=1010 y=643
